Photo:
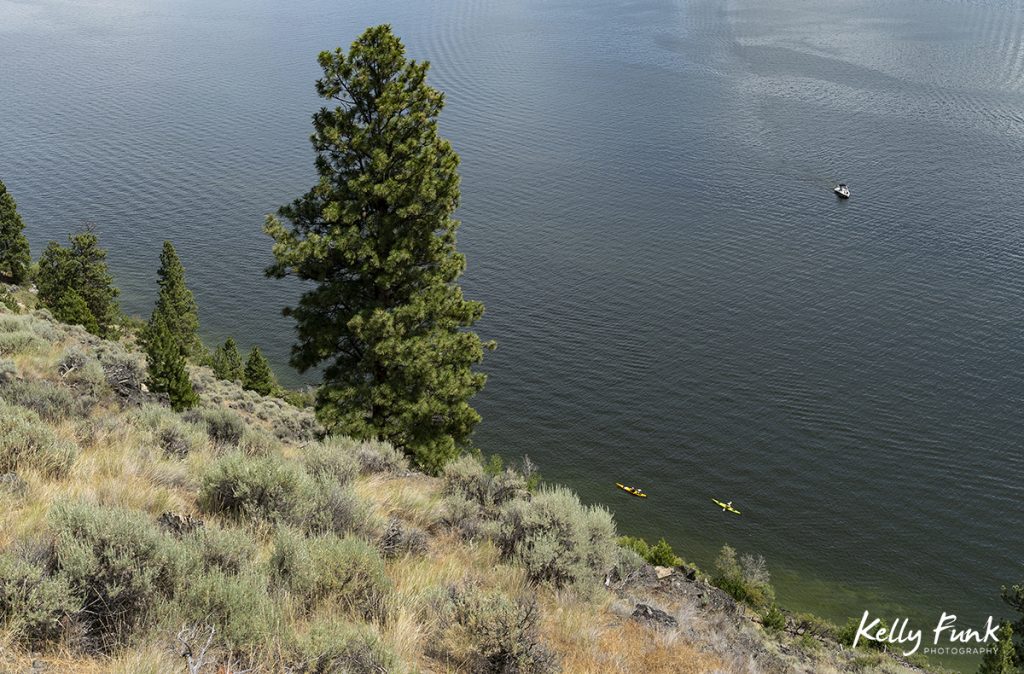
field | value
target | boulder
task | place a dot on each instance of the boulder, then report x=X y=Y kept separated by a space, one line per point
x=649 y=614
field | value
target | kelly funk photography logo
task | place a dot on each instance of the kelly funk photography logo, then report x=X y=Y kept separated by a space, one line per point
x=945 y=638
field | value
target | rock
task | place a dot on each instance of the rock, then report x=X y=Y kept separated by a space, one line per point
x=663 y=571
x=649 y=614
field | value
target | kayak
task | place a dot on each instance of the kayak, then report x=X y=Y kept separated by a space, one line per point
x=725 y=506
x=631 y=490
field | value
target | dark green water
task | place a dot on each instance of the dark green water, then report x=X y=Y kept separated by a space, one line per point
x=680 y=301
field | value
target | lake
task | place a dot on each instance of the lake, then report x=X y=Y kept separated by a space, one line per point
x=680 y=301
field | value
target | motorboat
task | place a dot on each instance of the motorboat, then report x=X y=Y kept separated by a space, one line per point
x=842 y=191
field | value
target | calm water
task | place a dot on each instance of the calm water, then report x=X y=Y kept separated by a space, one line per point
x=680 y=301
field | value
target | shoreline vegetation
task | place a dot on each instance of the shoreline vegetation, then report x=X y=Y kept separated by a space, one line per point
x=165 y=507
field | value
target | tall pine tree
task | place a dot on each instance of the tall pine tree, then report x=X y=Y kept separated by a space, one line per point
x=258 y=376
x=176 y=305
x=15 y=258
x=168 y=372
x=386 y=319
x=227 y=361
x=82 y=268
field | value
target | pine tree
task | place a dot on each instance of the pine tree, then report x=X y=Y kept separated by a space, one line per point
x=81 y=267
x=1014 y=596
x=1000 y=660
x=168 y=372
x=258 y=376
x=385 y=319
x=227 y=361
x=73 y=310
x=15 y=258
x=176 y=305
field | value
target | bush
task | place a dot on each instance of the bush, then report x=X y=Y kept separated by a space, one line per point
x=238 y=606
x=346 y=571
x=398 y=540
x=124 y=374
x=774 y=619
x=21 y=341
x=380 y=457
x=332 y=461
x=33 y=604
x=50 y=401
x=331 y=647
x=117 y=563
x=465 y=517
x=223 y=426
x=848 y=632
x=660 y=554
x=25 y=442
x=491 y=488
x=226 y=550
x=491 y=634
x=338 y=510
x=747 y=579
x=255 y=442
x=268 y=488
x=558 y=540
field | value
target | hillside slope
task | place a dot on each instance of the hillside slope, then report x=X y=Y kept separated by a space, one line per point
x=233 y=538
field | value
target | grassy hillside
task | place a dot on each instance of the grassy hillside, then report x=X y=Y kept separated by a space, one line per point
x=235 y=538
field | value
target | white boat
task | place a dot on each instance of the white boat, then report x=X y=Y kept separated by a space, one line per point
x=842 y=191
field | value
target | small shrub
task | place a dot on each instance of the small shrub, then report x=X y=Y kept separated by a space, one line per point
x=848 y=632
x=746 y=579
x=338 y=510
x=491 y=634
x=399 y=540
x=51 y=402
x=238 y=606
x=117 y=563
x=255 y=442
x=223 y=426
x=32 y=604
x=26 y=442
x=774 y=619
x=465 y=517
x=81 y=372
x=125 y=375
x=8 y=371
x=334 y=647
x=22 y=341
x=380 y=457
x=346 y=571
x=226 y=550
x=491 y=487
x=660 y=554
x=332 y=461
x=558 y=540
x=268 y=488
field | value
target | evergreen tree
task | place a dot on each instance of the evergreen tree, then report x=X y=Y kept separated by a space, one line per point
x=15 y=258
x=227 y=361
x=376 y=236
x=81 y=267
x=258 y=376
x=1014 y=596
x=1000 y=660
x=73 y=310
x=176 y=305
x=168 y=372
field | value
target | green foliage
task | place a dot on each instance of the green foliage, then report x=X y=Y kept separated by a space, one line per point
x=376 y=235
x=51 y=402
x=489 y=486
x=660 y=554
x=70 y=308
x=258 y=376
x=558 y=540
x=26 y=442
x=8 y=300
x=1000 y=659
x=746 y=579
x=267 y=488
x=168 y=372
x=773 y=619
x=175 y=305
x=19 y=341
x=226 y=550
x=33 y=604
x=117 y=563
x=15 y=258
x=331 y=647
x=492 y=634
x=331 y=461
x=848 y=632
x=1014 y=597
x=80 y=268
x=237 y=605
x=222 y=425
x=347 y=572
x=226 y=361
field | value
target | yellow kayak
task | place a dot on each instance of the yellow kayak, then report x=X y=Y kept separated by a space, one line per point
x=631 y=490
x=726 y=506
